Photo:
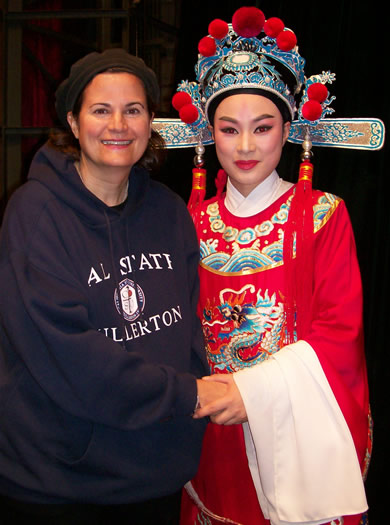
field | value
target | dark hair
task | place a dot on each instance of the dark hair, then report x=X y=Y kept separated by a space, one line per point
x=278 y=101
x=62 y=139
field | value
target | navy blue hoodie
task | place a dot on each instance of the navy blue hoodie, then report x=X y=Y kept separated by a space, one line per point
x=100 y=343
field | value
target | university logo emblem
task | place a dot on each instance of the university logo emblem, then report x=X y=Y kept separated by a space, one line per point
x=132 y=299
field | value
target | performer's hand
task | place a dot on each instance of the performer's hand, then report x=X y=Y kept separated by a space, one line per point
x=226 y=410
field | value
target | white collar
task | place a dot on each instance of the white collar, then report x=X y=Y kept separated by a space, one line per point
x=259 y=199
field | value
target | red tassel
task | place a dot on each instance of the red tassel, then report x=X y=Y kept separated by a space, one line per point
x=220 y=181
x=298 y=262
x=198 y=192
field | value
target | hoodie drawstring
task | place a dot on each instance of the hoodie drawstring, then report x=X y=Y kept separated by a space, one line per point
x=116 y=277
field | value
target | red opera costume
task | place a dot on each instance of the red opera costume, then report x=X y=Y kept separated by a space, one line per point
x=280 y=297
x=242 y=312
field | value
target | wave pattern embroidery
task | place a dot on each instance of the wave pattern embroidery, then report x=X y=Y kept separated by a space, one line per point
x=246 y=254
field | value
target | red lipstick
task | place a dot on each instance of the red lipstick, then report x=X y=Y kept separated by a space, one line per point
x=246 y=164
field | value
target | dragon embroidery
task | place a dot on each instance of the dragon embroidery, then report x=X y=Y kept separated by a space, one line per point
x=244 y=328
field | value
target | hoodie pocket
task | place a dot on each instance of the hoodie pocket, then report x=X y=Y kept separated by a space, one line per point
x=73 y=440
x=33 y=425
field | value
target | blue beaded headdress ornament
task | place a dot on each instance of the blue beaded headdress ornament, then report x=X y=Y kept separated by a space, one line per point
x=254 y=53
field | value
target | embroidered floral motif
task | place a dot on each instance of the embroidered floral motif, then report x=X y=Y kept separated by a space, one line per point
x=367 y=457
x=245 y=236
x=245 y=254
x=264 y=228
x=321 y=211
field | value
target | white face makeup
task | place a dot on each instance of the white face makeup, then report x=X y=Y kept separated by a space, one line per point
x=249 y=136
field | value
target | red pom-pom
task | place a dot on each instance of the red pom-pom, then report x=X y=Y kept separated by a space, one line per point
x=317 y=92
x=286 y=40
x=311 y=110
x=189 y=114
x=273 y=27
x=218 y=29
x=207 y=46
x=248 y=21
x=180 y=99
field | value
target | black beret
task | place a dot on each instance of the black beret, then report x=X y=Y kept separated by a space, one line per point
x=83 y=71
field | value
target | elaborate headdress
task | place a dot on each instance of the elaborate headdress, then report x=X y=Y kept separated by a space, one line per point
x=261 y=56
x=254 y=53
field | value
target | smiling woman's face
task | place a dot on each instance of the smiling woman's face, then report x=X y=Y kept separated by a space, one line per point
x=114 y=124
x=249 y=136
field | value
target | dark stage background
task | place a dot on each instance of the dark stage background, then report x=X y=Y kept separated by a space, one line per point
x=350 y=39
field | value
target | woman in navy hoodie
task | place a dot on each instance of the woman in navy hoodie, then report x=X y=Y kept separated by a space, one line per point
x=100 y=345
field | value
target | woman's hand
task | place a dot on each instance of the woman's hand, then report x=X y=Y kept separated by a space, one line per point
x=224 y=407
x=209 y=391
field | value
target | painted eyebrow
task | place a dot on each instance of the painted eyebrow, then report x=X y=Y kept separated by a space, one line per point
x=257 y=119
x=107 y=105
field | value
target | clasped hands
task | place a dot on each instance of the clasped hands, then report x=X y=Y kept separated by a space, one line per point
x=220 y=399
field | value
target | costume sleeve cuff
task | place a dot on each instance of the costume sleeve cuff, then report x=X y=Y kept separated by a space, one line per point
x=300 y=450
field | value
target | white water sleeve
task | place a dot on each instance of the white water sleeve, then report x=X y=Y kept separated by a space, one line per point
x=300 y=451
